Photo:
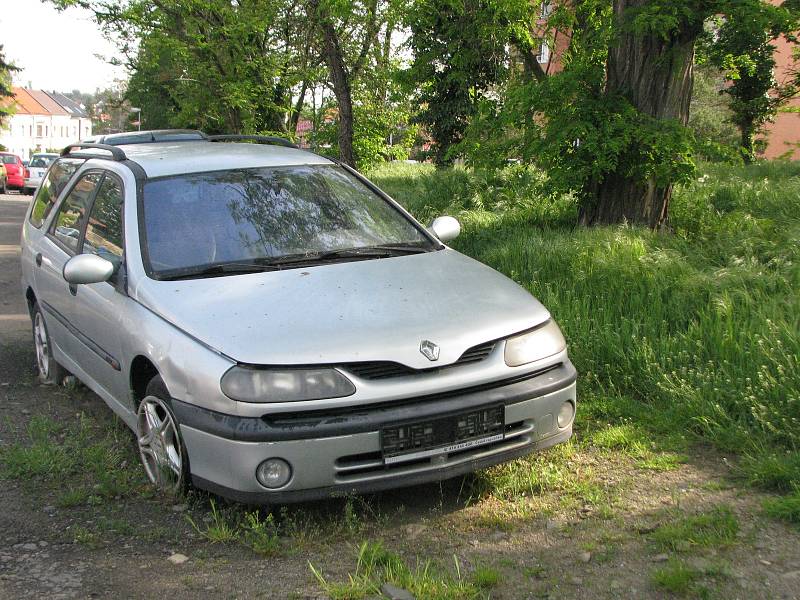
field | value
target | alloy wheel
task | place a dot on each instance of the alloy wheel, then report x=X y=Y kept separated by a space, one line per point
x=160 y=445
x=42 y=343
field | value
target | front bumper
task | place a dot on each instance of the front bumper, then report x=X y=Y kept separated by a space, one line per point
x=339 y=453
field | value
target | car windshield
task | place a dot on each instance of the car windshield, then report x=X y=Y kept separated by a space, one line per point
x=42 y=161
x=269 y=216
x=9 y=159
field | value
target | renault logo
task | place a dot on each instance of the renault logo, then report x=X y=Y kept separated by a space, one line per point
x=429 y=350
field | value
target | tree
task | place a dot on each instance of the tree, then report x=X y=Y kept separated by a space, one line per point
x=459 y=54
x=743 y=47
x=345 y=33
x=611 y=126
x=6 y=69
x=219 y=65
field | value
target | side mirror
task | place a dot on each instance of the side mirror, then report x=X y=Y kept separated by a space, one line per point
x=87 y=268
x=445 y=228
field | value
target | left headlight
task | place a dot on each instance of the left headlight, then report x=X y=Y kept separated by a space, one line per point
x=540 y=343
x=284 y=385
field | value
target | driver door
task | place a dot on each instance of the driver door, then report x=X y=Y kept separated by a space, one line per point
x=53 y=250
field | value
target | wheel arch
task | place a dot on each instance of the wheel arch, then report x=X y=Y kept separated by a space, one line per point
x=141 y=372
x=30 y=296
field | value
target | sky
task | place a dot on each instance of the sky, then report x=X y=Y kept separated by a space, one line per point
x=56 y=50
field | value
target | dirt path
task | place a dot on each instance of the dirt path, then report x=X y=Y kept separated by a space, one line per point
x=604 y=525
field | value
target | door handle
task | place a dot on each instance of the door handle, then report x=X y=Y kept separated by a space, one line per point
x=39 y=259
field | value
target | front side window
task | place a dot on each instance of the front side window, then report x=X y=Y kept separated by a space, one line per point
x=52 y=185
x=74 y=210
x=104 y=229
x=267 y=215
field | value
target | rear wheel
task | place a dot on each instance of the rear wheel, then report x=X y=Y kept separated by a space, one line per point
x=161 y=447
x=50 y=372
x=3 y=187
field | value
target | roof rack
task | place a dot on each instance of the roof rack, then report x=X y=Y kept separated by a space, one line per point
x=153 y=136
x=116 y=153
x=260 y=139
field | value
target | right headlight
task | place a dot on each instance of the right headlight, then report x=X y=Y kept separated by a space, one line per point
x=546 y=340
x=284 y=384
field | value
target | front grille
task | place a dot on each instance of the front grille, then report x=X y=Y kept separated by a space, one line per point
x=385 y=369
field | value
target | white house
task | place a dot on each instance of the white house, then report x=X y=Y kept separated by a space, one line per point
x=43 y=121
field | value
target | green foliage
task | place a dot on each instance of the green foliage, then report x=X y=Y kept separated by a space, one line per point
x=381 y=122
x=457 y=56
x=376 y=565
x=714 y=528
x=97 y=467
x=211 y=64
x=786 y=508
x=742 y=45
x=716 y=137
x=6 y=69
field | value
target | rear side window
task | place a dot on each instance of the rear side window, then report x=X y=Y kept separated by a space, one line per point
x=74 y=210
x=52 y=185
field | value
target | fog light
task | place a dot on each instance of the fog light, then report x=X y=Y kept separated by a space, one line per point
x=274 y=473
x=566 y=414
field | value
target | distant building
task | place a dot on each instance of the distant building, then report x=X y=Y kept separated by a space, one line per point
x=43 y=121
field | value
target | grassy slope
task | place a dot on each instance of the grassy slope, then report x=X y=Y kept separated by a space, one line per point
x=695 y=332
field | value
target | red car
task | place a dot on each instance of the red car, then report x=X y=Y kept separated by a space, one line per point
x=15 y=171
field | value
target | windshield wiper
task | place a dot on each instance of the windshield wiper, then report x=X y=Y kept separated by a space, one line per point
x=365 y=252
x=222 y=269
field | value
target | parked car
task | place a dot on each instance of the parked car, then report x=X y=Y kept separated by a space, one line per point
x=274 y=328
x=15 y=171
x=37 y=167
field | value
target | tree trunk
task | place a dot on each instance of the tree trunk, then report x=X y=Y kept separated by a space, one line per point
x=748 y=132
x=294 y=119
x=340 y=79
x=654 y=74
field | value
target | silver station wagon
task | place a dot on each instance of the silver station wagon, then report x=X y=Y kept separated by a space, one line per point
x=274 y=328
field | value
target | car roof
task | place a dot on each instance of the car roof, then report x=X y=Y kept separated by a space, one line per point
x=175 y=158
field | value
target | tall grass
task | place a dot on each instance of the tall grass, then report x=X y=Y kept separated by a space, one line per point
x=695 y=331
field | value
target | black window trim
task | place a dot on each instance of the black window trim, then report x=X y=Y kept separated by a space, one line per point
x=59 y=197
x=119 y=279
x=144 y=249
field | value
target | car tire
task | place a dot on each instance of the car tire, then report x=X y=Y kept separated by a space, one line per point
x=3 y=189
x=50 y=372
x=158 y=437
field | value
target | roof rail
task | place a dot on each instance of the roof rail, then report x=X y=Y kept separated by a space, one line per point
x=260 y=139
x=116 y=153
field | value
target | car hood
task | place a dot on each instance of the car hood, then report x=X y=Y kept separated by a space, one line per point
x=370 y=310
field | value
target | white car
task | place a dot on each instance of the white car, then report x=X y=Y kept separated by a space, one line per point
x=37 y=167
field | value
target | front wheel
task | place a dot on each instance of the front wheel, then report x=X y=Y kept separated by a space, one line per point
x=160 y=445
x=50 y=372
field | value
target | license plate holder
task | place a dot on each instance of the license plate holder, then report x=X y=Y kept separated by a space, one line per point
x=423 y=438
